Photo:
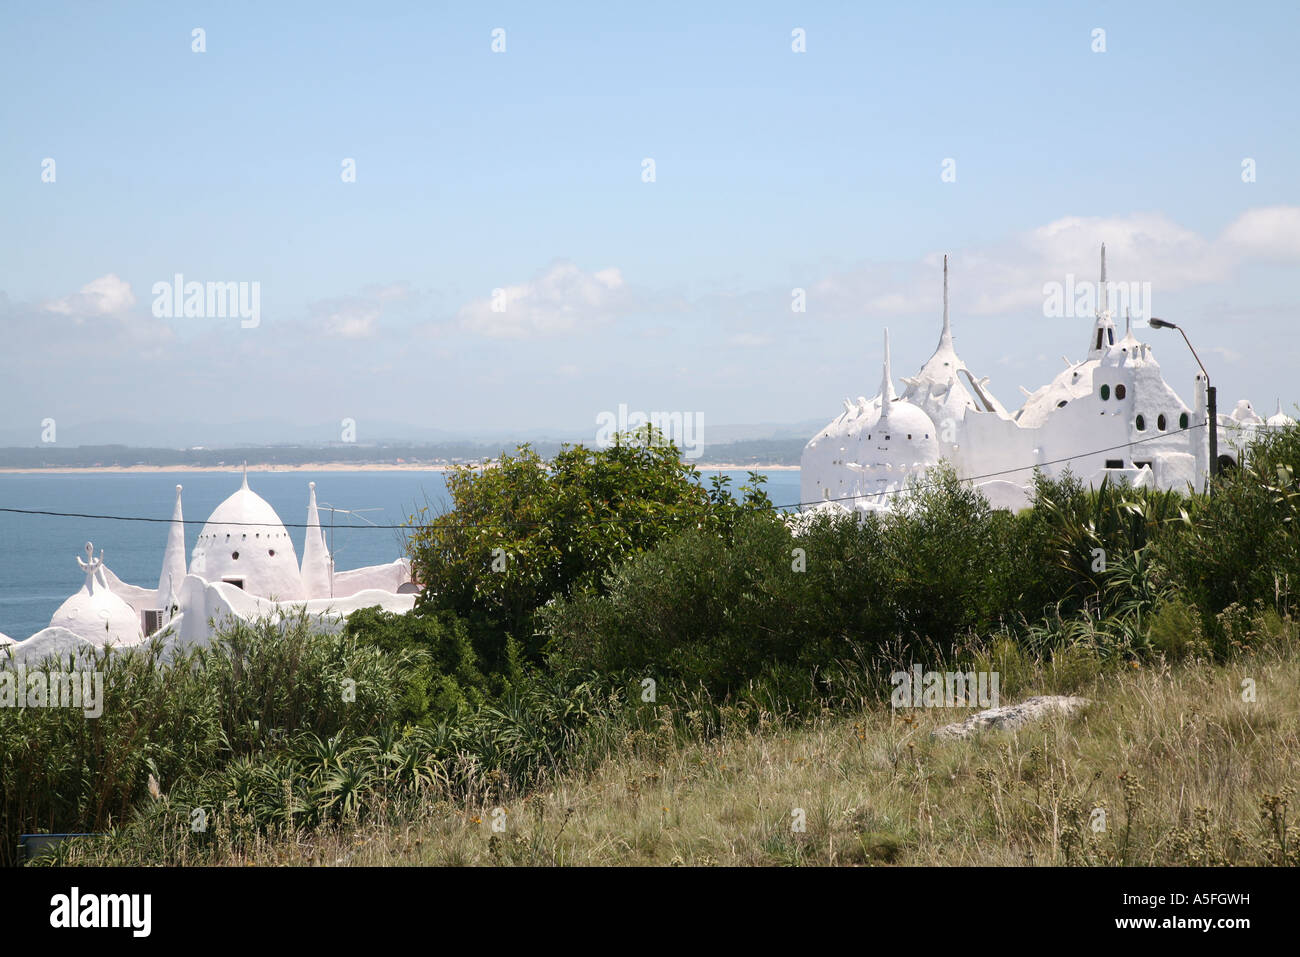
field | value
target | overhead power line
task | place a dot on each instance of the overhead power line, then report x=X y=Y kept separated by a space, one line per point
x=613 y=520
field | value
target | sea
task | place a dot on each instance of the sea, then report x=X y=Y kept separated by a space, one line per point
x=38 y=553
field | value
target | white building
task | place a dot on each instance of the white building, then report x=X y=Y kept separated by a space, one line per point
x=243 y=566
x=1111 y=413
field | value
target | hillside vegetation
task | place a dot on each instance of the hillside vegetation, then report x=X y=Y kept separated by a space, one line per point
x=1185 y=772
x=612 y=662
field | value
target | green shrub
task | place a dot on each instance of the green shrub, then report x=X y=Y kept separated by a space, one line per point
x=438 y=669
x=256 y=686
x=1175 y=630
x=698 y=609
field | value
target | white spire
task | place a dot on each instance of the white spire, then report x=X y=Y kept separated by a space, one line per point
x=173 y=566
x=1102 y=336
x=886 y=383
x=315 y=556
x=245 y=485
x=945 y=338
x=1103 y=297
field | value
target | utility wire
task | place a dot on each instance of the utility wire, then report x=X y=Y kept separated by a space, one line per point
x=618 y=520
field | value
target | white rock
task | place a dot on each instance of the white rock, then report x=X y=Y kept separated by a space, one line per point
x=1013 y=716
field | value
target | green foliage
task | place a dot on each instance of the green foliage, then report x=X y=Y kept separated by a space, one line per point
x=1082 y=534
x=724 y=612
x=438 y=669
x=257 y=684
x=1242 y=545
x=1175 y=630
x=700 y=608
x=524 y=530
x=952 y=562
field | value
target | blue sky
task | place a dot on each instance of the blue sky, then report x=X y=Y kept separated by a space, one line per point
x=522 y=171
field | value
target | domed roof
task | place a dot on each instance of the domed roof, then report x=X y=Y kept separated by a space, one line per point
x=900 y=434
x=901 y=438
x=95 y=613
x=1279 y=419
x=245 y=543
x=1072 y=382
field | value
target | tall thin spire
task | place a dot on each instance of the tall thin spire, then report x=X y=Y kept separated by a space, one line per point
x=173 y=566
x=1103 y=297
x=245 y=485
x=886 y=382
x=1102 y=336
x=946 y=337
x=315 y=556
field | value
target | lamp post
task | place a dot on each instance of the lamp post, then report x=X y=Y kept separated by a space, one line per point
x=1211 y=401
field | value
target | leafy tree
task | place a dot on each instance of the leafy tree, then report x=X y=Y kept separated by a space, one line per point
x=523 y=530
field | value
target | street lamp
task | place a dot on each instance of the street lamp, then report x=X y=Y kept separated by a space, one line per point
x=1211 y=400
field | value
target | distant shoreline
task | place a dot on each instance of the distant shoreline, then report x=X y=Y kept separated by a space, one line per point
x=317 y=467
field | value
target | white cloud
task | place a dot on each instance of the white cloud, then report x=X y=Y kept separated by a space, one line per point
x=1272 y=232
x=561 y=299
x=1008 y=276
x=352 y=321
x=357 y=317
x=105 y=296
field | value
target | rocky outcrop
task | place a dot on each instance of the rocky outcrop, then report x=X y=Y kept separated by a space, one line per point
x=1013 y=716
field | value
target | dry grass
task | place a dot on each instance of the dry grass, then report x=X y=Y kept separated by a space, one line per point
x=1184 y=770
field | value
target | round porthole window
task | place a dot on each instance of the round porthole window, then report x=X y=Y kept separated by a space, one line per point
x=235 y=555
x=1120 y=391
x=271 y=552
x=1160 y=423
x=1105 y=392
x=1141 y=424
x=1182 y=421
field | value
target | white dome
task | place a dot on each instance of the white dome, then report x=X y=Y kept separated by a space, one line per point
x=97 y=615
x=818 y=465
x=1072 y=382
x=901 y=438
x=244 y=542
x=1279 y=419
